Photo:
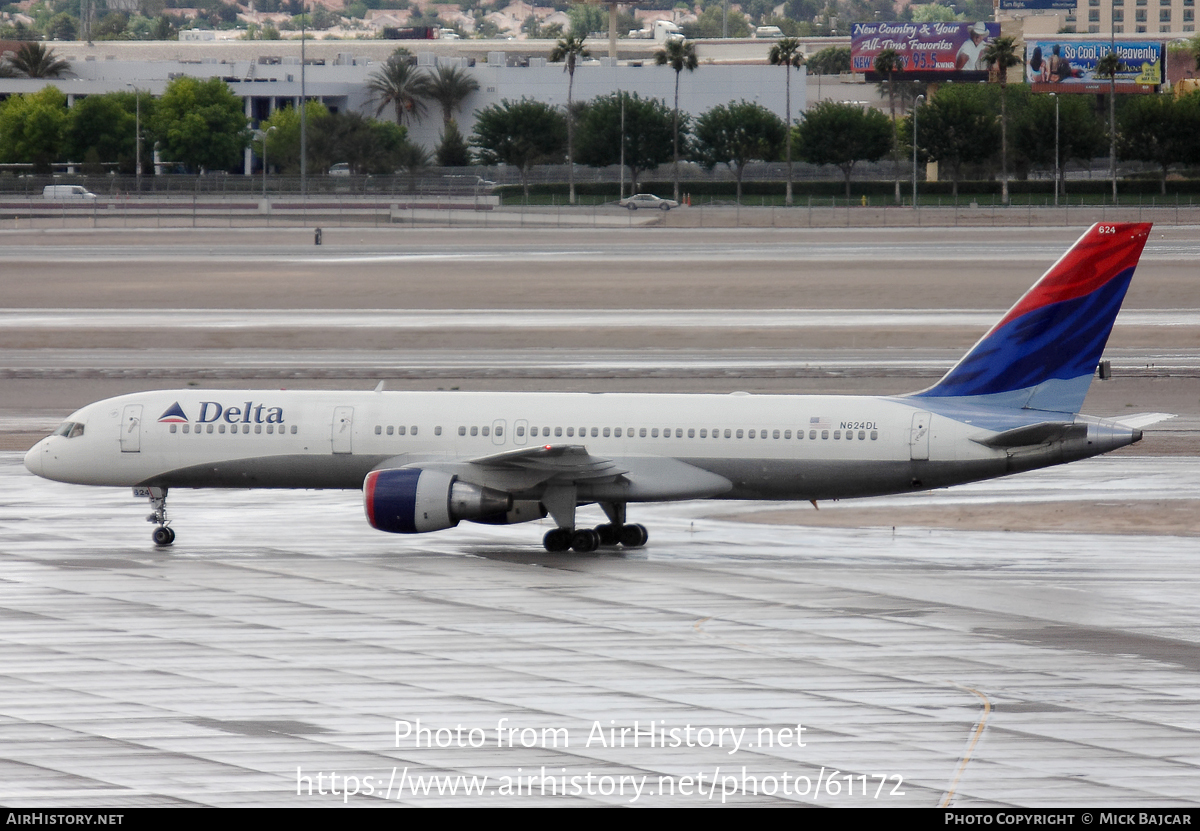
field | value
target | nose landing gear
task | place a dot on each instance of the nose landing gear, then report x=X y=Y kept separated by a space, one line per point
x=163 y=534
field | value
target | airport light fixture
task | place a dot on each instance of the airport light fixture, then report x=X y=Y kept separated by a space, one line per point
x=916 y=106
x=303 y=118
x=1055 y=97
x=137 y=134
x=266 y=133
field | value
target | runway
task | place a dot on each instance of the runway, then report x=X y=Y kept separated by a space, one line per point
x=1027 y=642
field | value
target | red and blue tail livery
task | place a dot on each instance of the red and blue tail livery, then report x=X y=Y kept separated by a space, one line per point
x=1043 y=353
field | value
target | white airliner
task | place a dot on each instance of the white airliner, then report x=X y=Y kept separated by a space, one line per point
x=426 y=460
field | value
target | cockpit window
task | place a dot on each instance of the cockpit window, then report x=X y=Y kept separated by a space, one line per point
x=70 y=429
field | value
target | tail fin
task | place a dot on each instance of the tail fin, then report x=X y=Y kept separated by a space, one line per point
x=1043 y=353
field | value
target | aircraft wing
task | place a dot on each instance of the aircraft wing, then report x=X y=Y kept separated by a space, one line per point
x=602 y=478
x=568 y=462
x=620 y=477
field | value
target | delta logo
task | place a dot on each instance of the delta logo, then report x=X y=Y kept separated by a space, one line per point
x=173 y=415
x=210 y=411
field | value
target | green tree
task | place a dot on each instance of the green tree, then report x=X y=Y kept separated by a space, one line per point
x=33 y=60
x=1108 y=67
x=710 y=24
x=453 y=150
x=999 y=55
x=648 y=134
x=679 y=55
x=958 y=127
x=888 y=62
x=570 y=49
x=283 y=136
x=110 y=27
x=368 y=146
x=398 y=83
x=32 y=128
x=843 y=134
x=522 y=134
x=449 y=87
x=1080 y=134
x=830 y=61
x=736 y=134
x=166 y=29
x=62 y=26
x=788 y=54
x=200 y=124
x=933 y=13
x=107 y=124
x=1160 y=129
x=586 y=18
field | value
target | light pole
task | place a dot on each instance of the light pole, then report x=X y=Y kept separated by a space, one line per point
x=265 y=133
x=916 y=106
x=303 y=118
x=137 y=134
x=1055 y=97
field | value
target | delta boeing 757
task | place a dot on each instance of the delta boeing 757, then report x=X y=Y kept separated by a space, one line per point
x=426 y=460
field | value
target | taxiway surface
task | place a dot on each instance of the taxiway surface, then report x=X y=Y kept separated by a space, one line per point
x=1026 y=642
x=281 y=637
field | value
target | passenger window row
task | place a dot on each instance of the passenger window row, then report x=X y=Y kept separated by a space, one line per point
x=486 y=430
x=678 y=432
x=399 y=431
x=233 y=428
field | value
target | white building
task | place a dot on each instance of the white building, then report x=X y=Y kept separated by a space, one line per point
x=339 y=80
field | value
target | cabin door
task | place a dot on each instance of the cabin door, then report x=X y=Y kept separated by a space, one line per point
x=131 y=429
x=343 y=429
x=918 y=441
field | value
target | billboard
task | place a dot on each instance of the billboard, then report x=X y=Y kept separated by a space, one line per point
x=1070 y=66
x=930 y=51
x=1018 y=5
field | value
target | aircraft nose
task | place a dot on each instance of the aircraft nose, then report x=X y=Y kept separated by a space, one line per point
x=33 y=459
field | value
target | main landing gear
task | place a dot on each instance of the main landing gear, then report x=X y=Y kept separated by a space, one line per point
x=585 y=540
x=163 y=534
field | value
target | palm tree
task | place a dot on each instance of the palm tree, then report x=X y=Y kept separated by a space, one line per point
x=888 y=62
x=1108 y=67
x=449 y=86
x=1000 y=54
x=679 y=55
x=36 y=61
x=787 y=53
x=401 y=85
x=570 y=49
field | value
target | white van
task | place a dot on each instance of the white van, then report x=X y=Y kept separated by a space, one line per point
x=67 y=192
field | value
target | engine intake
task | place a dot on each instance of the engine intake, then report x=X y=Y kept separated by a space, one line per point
x=414 y=501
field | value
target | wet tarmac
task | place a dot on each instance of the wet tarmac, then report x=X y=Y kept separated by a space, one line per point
x=282 y=641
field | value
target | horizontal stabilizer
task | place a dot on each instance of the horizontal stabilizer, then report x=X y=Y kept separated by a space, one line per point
x=1139 y=420
x=1047 y=432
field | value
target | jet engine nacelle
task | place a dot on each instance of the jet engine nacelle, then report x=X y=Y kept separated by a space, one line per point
x=413 y=501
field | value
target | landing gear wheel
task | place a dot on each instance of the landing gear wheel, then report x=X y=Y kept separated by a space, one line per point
x=557 y=540
x=585 y=541
x=608 y=534
x=634 y=536
x=163 y=535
